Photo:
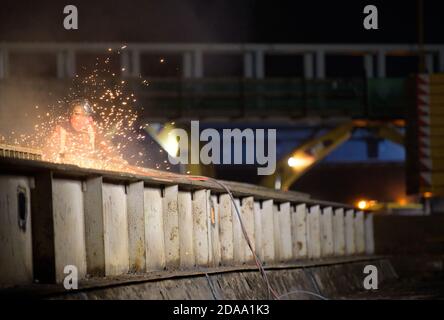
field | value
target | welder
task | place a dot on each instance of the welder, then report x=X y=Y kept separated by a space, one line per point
x=77 y=137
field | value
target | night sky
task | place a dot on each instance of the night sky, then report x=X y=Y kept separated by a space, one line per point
x=219 y=21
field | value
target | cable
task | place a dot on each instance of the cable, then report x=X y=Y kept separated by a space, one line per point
x=212 y=289
x=257 y=261
x=244 y=232
x=303 y=291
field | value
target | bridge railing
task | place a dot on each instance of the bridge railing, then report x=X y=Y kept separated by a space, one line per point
x=171 y=98
x=64 y=56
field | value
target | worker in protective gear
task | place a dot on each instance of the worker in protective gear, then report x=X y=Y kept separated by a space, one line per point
x=76 y=139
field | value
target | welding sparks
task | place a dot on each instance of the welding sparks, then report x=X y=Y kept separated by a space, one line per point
x=114 y=116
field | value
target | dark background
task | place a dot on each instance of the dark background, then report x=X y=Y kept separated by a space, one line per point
x=215 y=21
x=241 y=21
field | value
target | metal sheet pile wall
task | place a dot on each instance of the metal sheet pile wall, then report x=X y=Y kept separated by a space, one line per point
x=109 y=228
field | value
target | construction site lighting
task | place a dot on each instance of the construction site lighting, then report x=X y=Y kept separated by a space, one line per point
x=362 y=204
x=299 y=162
x=171 y=145
x=366 y=204
x=427 y=194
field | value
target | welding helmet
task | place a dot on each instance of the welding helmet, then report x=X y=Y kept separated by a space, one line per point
x=82 y=104
x=81 y=114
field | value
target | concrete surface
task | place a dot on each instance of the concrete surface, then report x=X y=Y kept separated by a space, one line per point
x=338 y=232
x=200 y=228
x=15 y=242
x=314 y=232
x=330 y=281
x=299 y=231
x=69 y=227
x=226 y=229
x=247 y=211
x=350 y=243
x=136 y=227
x=171 y=227
x=268 y=231
x=184 y=203
x=327 y=248
x=115 y=229
x=155 y=241
x=286 y=242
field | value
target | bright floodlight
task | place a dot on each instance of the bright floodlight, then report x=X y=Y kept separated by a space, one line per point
x=362 y=204
x=298 y=162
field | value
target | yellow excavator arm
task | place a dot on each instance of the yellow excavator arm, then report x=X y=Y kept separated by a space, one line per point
x=305 y=156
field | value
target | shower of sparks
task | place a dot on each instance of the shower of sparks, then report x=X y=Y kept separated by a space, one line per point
x=115 y=117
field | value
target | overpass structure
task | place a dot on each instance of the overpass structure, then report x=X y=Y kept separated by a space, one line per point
x=314 y=62
x=252 y=94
